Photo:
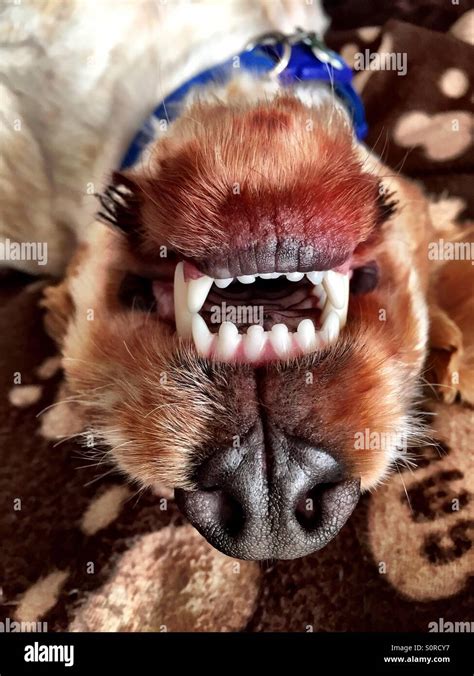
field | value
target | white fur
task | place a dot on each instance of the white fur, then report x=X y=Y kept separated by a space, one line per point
x=78 y=78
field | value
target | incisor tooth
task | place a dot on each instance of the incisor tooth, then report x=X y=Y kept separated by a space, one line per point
x=336 y=286
x=246 y=279
x=266 y=275
x=254 y=341
x=201 y=335
x=306 y=335
x=197 y=292
x=183 y=318
x=315 y=277
x=228 y=341
x=295 y=276
x=279 y=339
x=223 y=283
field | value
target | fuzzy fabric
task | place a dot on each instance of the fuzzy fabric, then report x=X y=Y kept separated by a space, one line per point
x=82 y=550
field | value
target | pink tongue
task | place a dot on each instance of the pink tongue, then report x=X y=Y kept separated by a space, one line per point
x=163 y=292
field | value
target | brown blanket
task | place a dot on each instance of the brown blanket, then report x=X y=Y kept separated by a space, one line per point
x=82 y=550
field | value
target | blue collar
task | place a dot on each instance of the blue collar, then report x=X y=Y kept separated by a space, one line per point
x=310 y=60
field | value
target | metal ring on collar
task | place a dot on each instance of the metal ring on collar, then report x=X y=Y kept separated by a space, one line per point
x=272 y=39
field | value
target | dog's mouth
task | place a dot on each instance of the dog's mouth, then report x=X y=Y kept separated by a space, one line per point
x=250 y=318
x=259 y=317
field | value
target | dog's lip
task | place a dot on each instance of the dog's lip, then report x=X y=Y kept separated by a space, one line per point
x=278 y=253
x=195 y=270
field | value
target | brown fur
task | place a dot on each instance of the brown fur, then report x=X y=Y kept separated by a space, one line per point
x=149 y=397
x=229 y=176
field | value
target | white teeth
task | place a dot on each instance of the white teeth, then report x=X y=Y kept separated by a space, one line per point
x=295 y=276
x=315 y=277
x=228 y=341
x=280 y=339
x=223 y=283
x=201 y=335
x=246 y=279
x=198 y=290
x=330 y=327
x=341 y=307
x=183 y=317
x=329 y=287
x=321 y=295
x=254 y=341
x=328 y=308
x=337 y=288
x=306 y=335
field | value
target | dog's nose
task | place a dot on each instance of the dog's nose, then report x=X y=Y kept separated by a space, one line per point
x=279 y=500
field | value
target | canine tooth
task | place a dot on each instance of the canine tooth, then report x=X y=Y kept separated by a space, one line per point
x=295 y=276
x=306 y=335
x=328 y=306
x=223 y=283
x=342 y=314
x=337 y=288
x=321 y=295
x=330 y=328
x=315 y=277
x=246 y=279
x=254 y=341
x=183 y=318
x=201 y=335
x=198 y=290
x=228 y=341
x=279 y=339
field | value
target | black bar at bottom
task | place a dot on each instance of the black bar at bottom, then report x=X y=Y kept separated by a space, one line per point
x=377 y=653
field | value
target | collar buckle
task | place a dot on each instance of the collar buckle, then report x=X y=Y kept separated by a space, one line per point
x=273 y=39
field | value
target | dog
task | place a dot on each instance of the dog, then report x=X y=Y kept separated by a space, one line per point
x=255 y=312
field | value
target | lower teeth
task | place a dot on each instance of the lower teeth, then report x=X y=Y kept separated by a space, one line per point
x=256 y=344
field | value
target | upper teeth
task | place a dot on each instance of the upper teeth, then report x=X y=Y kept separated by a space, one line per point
x=223 y=283
x=198 y=290
x=335 y=286
x=330 y=287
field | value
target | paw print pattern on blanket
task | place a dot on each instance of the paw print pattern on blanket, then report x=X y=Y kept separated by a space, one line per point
x=124 y=561
x=172 y=580
x=443 y=136
x=421 y=524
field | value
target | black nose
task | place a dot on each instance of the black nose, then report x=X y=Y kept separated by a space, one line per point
x=281 y=499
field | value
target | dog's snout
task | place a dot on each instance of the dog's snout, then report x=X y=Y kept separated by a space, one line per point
x=282 y=502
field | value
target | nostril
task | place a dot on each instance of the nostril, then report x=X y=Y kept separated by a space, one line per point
x=230 y=512
x=309 y=507
x=212 y=510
